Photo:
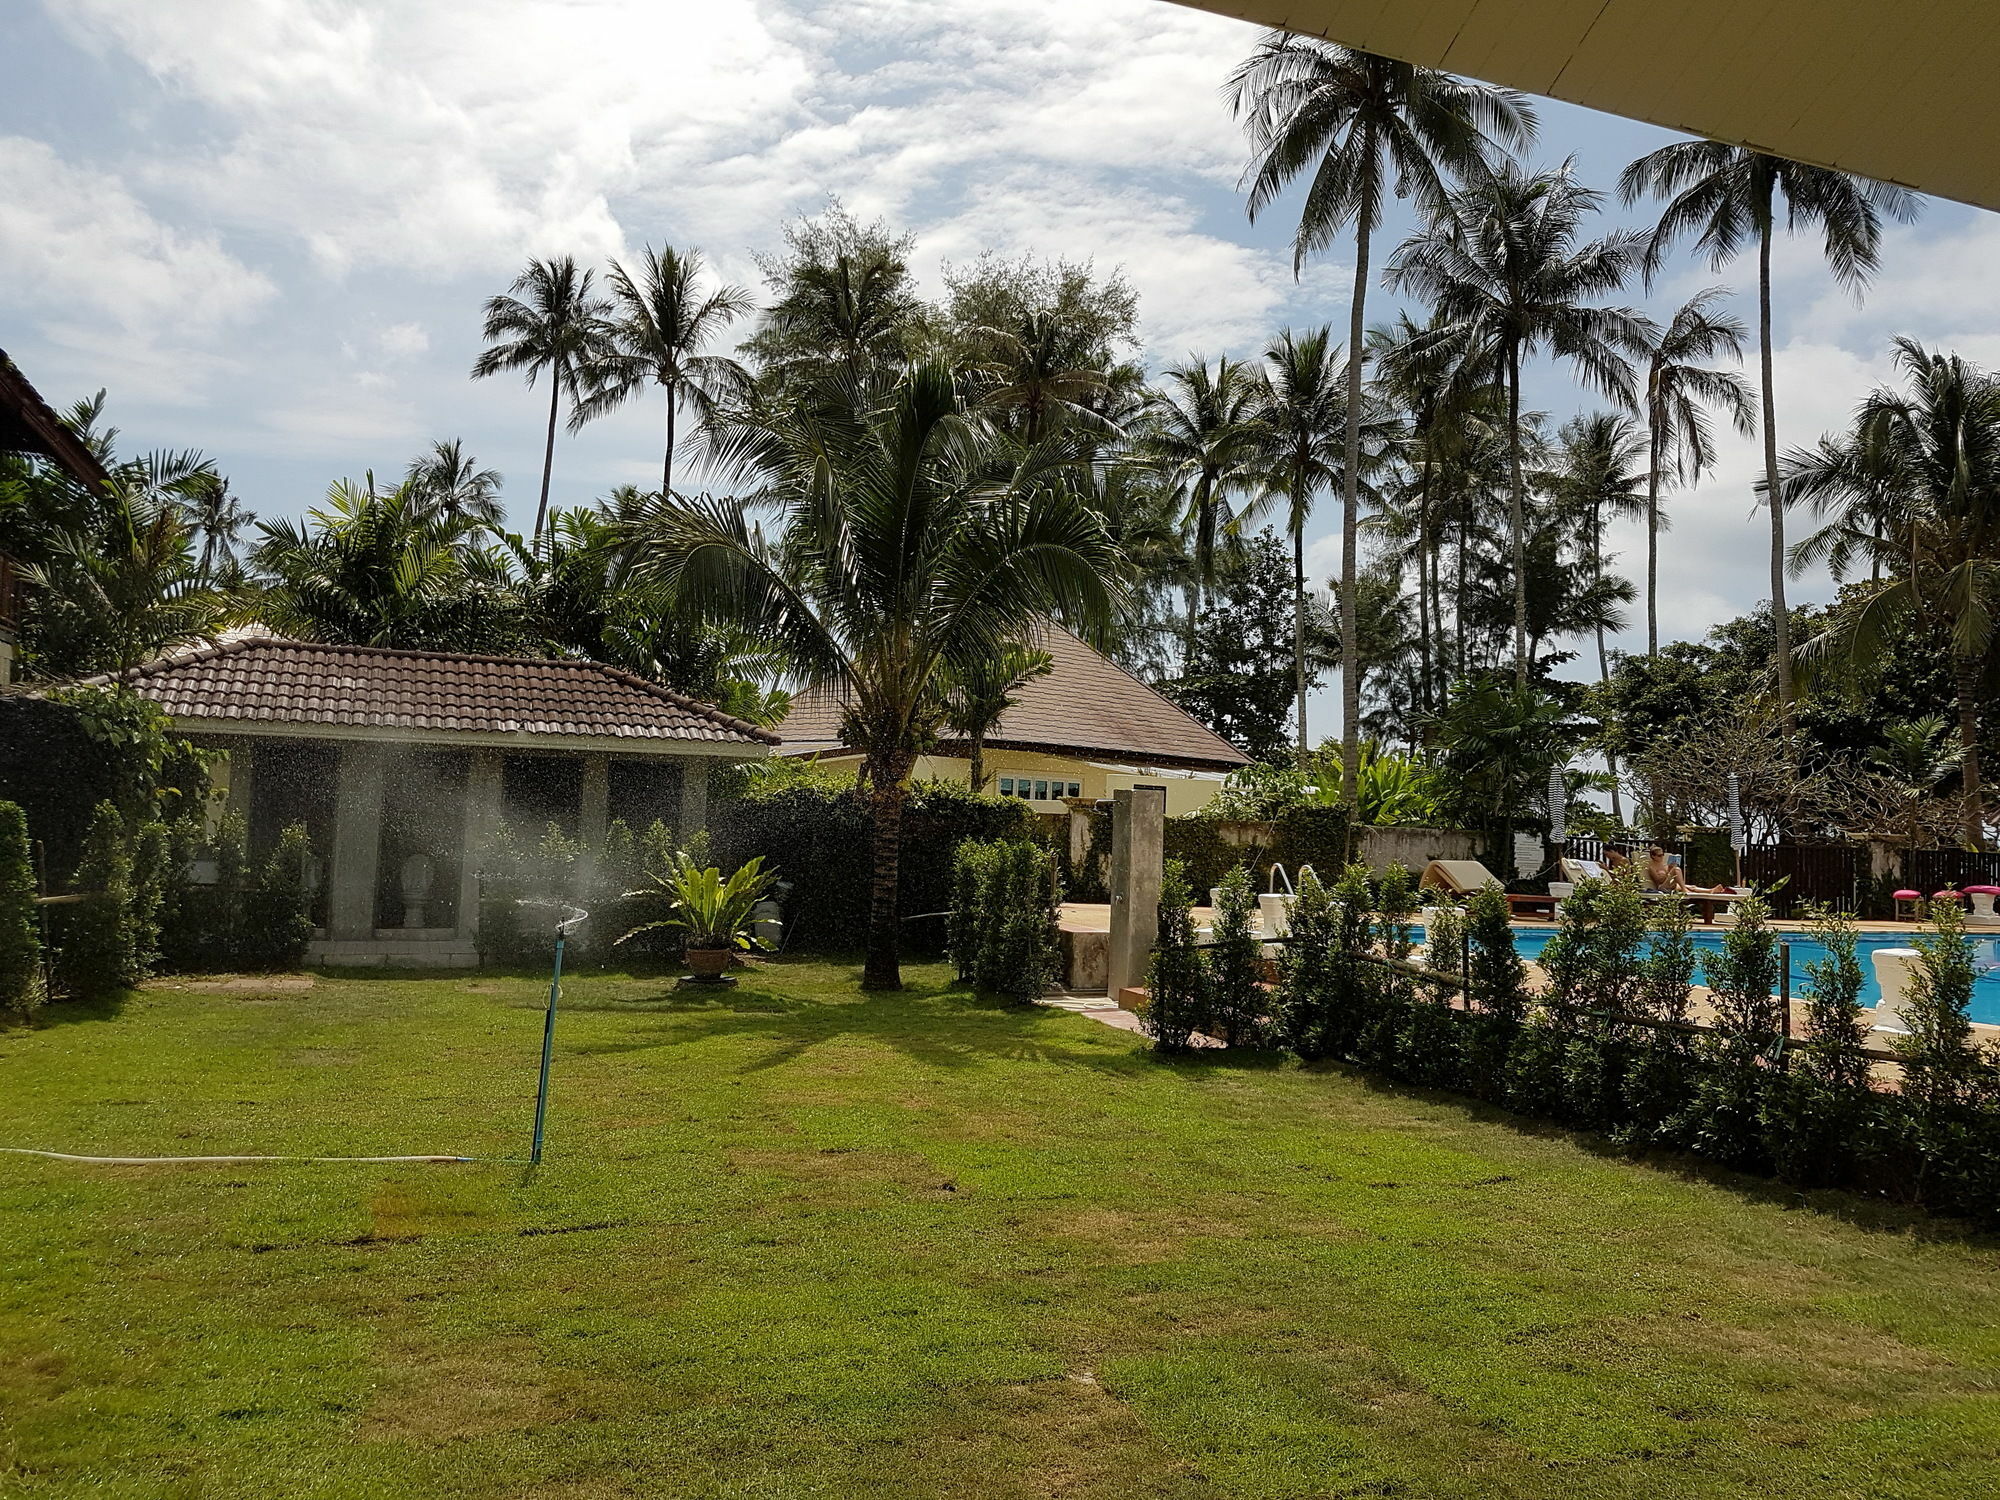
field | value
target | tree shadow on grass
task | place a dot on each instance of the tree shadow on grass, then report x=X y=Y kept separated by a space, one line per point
x=65 y=1013
x=1859 y=1211
x=945 y=1027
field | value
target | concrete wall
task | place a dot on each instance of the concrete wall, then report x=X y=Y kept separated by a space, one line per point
x=1413 y=848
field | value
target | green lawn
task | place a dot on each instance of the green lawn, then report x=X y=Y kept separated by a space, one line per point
x=801 y=1243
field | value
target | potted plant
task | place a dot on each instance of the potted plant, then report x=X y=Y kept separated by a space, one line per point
x=710 y=911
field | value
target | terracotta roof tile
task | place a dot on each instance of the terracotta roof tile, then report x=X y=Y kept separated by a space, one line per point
x=265 y=679
x=1089 y=707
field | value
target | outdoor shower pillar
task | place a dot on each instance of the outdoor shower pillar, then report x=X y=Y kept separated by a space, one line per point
x=694 y=796
x=357 y=842
x=482 y=821
x=1138 y=857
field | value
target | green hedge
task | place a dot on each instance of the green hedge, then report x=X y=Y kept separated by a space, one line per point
x=817 y=838
x=64 y=753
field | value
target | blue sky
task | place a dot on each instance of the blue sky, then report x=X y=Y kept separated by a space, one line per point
x=267 y=225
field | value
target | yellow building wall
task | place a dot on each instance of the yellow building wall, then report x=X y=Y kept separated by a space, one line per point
x=1187 y=791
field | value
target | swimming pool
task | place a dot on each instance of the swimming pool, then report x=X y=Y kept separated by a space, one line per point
x=1529 y=942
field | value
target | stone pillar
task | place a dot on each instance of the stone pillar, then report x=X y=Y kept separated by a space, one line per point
x=694 y=796
x=482 y=818
x=1080 y=814
x=594 y=816
x=1138 y=857
x=357 y=842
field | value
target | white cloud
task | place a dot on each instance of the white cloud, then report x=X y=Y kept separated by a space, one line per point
x=79 y=246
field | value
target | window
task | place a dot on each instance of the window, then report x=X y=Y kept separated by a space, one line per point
x=1006 y=786
x=1075 y=790
x=1041 y=791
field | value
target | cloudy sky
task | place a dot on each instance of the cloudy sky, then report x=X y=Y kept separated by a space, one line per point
x=267 y=225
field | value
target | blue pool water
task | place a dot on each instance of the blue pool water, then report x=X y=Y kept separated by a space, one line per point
x=1529 y=942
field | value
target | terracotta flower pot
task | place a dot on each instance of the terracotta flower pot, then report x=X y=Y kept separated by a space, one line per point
x=708 y=963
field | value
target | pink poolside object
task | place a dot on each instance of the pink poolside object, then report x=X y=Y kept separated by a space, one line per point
x=1909 y=895
x=1982 y=890
x=1947 y=891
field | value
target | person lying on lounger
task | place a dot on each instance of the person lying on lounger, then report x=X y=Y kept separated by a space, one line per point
x=1663 y=876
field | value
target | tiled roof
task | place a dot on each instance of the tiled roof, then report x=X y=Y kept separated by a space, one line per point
x=1088 y=707
x=270 y=680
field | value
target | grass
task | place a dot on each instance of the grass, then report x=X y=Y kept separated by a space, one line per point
x=796 y=1242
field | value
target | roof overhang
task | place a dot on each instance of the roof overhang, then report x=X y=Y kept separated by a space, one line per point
x=29 y=425
x=1900 y=92
x=459 y=739
x=1095 y=756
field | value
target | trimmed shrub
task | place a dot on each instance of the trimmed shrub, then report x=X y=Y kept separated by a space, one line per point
x=202 y=925
x=1724 y=1116
x=1004 y=932
x=1177 y=980
x=96 y=954
x=1657 y=1081
x=1237 y=998
x=21 y=987
x=1307 y=970
x=277 y=922
x=153 y=878
x=1950 y=1097
x=1820 y=1119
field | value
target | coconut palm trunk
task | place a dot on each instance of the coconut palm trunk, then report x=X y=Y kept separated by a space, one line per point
x=1966 y=672
x=888 y=792
x=1350 y=517
x=1652 y=530
x=1424 y=574
x=1517 y=514
x=1781 y=624
x=667 y=467
x=1299 y=621
x=548 y=459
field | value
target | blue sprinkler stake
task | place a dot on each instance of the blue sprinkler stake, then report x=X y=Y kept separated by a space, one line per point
x=548 y=1046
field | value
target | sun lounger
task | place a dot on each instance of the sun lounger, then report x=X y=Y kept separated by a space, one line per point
x=1461 y=877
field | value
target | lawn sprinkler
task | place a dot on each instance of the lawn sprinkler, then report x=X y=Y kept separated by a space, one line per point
x=573 y=915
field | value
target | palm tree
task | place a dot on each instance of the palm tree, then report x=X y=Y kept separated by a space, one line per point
x=1304 y=413
x=976 y=698
x=1452 y=407
x=1596 y=481
x=1726 y=196
x=550 y=320
x=1205 y=434
x=1500 y=263
x=125 y=589
x=218 y=518
x=450 y=480
x=1938 y=447
x=1046 y=371
x=916 y=543
x=847 y=313
x=381 y=568
x=1680 y=385
x=664 y=321
x=1351 y=119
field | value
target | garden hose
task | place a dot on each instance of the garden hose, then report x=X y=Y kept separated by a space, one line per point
x=148 y=1161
